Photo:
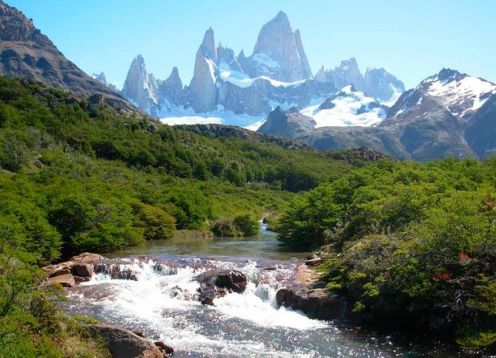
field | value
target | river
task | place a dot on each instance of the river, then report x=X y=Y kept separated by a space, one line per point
x=162 y=304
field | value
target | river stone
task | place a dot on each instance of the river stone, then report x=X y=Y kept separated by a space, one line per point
x=66 y=280
x=123 y=343
x=313 y=262
x=59 y=272
x=315 y=303
x=87 y=258
x=82 y=270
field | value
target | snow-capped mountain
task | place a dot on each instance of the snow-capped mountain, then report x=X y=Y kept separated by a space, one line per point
x=234 y=89
x=347 y=107
x=377 y=83
x=447 y=114
x=278 y=53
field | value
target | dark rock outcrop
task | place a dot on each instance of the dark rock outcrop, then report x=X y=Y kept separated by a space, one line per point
x=288 y=124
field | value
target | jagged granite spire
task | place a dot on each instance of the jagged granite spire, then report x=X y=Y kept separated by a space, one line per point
x=141 y=87
x=202 y=89
x=279 y=52
x=171 y=91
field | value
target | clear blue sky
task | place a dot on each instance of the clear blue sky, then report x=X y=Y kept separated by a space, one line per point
x=411 y=38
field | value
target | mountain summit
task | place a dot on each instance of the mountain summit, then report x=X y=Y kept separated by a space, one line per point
x=279 y=52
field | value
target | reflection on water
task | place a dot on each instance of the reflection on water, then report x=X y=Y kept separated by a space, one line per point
x=264 y=245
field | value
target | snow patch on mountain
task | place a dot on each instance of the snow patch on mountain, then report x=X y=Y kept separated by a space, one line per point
x=348 y=107
x=460 y=94
x=179 y=116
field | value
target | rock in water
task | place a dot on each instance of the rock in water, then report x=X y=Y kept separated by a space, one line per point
x=82 y=270
x=66 y=280
x=213 y=284
x=123 y=343
x=316 y=303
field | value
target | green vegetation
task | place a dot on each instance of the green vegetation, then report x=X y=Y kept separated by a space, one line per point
x=408 y=244
x=241 y=225
x=76 y=175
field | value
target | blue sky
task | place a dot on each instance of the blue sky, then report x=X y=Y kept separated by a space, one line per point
x=411 y=38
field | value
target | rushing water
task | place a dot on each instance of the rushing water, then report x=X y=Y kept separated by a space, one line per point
x=162 y=304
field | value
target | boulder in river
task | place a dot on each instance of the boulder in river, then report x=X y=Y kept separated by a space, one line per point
x=315 y=303
x=59 y=272
x=123 y=343
x=82 y=270
x=231 y=280
x=66 y=280
x=87 y=258
x=214 y=283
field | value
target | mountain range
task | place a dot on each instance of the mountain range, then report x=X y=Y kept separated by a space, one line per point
x=447 y=114
x=277 y=73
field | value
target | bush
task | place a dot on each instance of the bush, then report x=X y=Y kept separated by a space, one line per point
x=155 y=222
x=408 y=243
x=246 y=225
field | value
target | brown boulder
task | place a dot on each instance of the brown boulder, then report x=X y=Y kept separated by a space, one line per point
x=87 y=258
x=315 y=303
x=313 y=262
x=82 y=270
x=231 y=280
x=59 y=272
x=79 y=279
x=122 y=343
x=66 y=280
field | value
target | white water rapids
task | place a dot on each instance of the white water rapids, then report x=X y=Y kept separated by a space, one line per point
x=163 y=304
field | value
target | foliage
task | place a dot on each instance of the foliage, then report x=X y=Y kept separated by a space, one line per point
x=408 y=243
x=241 y=225
x=77 y=176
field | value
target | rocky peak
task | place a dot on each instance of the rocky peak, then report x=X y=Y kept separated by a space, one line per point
x=15 y=26
x=382 y=85
x=226 y=58
x=321 y=75
x=171 y=91
x=348 y=73
x=207 y=47
x=289 y=124
x=100 y=78
x=202 y=89
x=141 y=87
x=279 y=52
x=174 y=79
x=462 y=95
